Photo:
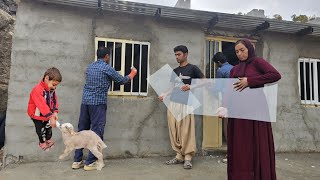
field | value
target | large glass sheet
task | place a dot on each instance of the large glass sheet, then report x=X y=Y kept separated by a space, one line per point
x=178 y=102
x=207 y=96
x=251 y=103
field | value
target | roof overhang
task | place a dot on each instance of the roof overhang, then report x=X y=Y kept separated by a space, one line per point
x=205 y=18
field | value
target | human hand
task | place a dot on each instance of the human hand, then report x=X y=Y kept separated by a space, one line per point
x=241 y=84
x=133 y=73
x=185 y=87
x=52 y=121
x=162 y=97
x=222 y=112
x=55 y=114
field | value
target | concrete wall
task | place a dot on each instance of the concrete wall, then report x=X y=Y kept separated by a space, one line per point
x=52 y=35
x=297 y=126
x=146 y=133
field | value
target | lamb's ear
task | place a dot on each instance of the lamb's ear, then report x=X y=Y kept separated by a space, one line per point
x=70 y=129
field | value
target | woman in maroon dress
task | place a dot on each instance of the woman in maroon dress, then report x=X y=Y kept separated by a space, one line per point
x=251 y=153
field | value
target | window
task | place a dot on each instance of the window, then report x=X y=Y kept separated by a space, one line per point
x=123 y=55
x=218 y=44
x=212 y=47
x=309 y=84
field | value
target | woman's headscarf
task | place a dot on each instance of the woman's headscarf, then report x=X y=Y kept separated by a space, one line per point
x=251 y=56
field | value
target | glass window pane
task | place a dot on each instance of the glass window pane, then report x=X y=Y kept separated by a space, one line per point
x=128 y=64
x=101 y=44
x=144 y=68
x=136 y=63
x=302 y=84
x=117 y=63
x=307 y=80
x=110 y=47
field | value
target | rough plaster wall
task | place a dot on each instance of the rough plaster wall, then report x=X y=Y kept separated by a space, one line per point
x=146 y=133
x=50 y=35
x=45 y=37
x=297 y=127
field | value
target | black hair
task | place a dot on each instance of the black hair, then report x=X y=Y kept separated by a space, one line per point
x=181 y=48
x=102 y=52
x=219 y=57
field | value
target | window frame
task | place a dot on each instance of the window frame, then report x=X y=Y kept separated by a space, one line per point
x=122 y=71
x=315 y=89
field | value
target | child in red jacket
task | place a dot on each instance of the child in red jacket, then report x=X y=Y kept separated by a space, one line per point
x=43 y=107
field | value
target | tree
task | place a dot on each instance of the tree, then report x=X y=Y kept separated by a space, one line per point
x=277 y=17
x=312 y=17
x=300 y=18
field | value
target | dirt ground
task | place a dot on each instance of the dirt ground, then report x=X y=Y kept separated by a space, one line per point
x=289 y=167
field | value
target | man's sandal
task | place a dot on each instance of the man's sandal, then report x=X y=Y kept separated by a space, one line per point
x=174 y=161
x=187 y=164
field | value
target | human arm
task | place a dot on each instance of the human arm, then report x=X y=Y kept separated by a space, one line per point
x=196 y=74
x=116 y=77
x=166 y=93
x=40 y=102
x=269 y=74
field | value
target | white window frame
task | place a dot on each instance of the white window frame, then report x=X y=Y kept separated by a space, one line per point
x=315 y=101
x=123 y=50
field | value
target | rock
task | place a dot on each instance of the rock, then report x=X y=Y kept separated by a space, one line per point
x=6 y=29
x=5 y=19
x=9 y=6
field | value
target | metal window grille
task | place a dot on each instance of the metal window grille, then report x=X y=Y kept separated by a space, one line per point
x=308 y=81
x=125 y=54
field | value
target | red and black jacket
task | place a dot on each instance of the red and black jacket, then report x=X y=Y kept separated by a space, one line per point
x=42 y=103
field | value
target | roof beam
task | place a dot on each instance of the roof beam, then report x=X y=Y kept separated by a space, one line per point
x=99 y=4
x=305 y=31
x=212 y=23
x=158 y=13
x=263 y=26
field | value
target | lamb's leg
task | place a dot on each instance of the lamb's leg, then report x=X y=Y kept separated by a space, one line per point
x=99 y=156
x=65 y=153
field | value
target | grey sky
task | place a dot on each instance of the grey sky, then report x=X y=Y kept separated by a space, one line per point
x=285 y=8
